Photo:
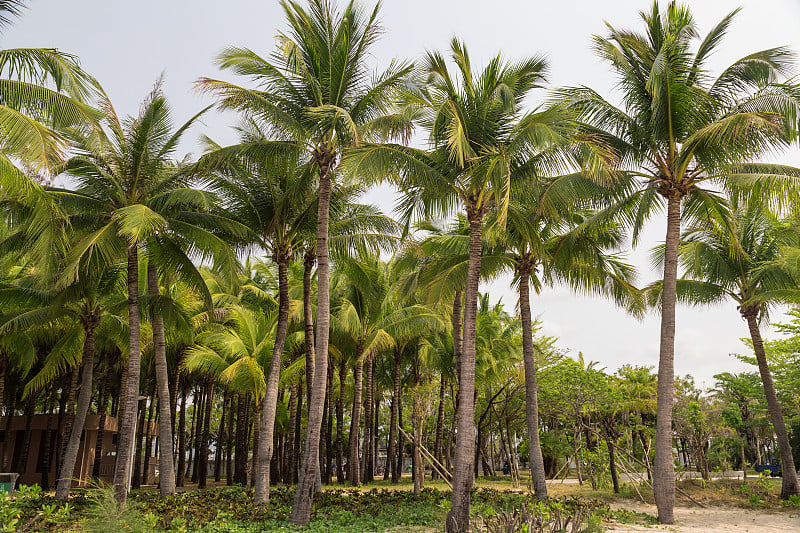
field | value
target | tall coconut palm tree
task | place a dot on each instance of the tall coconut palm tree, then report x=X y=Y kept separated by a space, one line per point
x=682 y=133
x=315 y=93
x=551 y=237
x=275 y=201
x=480 y=143
x=130 y=192
x=746 y=265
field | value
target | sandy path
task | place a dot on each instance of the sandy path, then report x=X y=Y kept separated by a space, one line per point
x=717 y=519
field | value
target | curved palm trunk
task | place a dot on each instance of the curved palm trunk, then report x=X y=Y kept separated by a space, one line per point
x=538 y=475
x=458 y=517
x=664 y=468
x=84 y=400
x=355 y=422
x=166 y=466
x=130 y=396
x=270 y=404
x=301 y=507
x=789 y=484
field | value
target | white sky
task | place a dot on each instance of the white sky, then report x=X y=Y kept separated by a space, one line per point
x=126 y=45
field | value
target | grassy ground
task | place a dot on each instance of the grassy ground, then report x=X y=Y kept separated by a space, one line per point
x=381 y=506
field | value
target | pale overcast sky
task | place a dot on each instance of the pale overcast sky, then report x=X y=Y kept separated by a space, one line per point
x=126 y=45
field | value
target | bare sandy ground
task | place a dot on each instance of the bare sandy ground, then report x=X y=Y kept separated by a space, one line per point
x=717 y=520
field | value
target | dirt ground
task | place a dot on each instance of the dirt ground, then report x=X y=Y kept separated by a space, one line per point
x=716 y=519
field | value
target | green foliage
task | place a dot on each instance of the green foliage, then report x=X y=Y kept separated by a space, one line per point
x=32 y=510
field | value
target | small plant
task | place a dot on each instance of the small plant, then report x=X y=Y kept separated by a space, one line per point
x=754 y=500
x=105 y=514
x=793 y=501
x=10 y=514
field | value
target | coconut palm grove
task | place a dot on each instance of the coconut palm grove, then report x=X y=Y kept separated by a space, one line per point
x=205 y=335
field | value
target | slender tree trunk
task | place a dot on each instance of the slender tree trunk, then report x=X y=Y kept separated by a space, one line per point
x=102 y=410
x=240 y=457
x=127 y=425
x=355 y=422
x=229 y=443
x=397 y=473
x=367 y=448
x=66 y=419
x=789 y=484
x=148 y=441
x=664 y=468
x=417 y=415
x=136 y=482
x=538 y=475
x=255 y=429
x=47 y=438
x=340 y=424
x=419 y=466
x=173 y=401
x=5 y=466
x=196 y=432
x=458 y=517
x=289 y=463
x=30 y=410
x=301 y=508
x=166 y=466
x=3 y=367
x=84 y=401
x=270 y=405
x=298 y=436
x=221 y=436
x=202 y=470
x=744 y=458
x=458 y=323
x=181 y=473
x=390 y=451
x=308 y=319
x=437 y=444
x=329 y=448
x=375 y=439
x=323 y=441
x=612 y=465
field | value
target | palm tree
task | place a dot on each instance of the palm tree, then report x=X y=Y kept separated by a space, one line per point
x=682 y=132
x=130 y=192
x=315 y=94
x=275 y=201
x=481 y=143
x=550 y=237
x=746 y=265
